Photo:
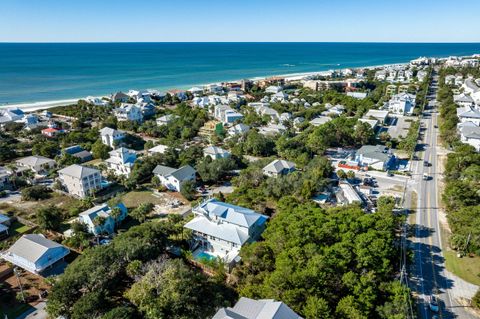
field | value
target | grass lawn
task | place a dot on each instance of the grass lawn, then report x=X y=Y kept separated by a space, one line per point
x=19 y=228
x=94 y=162
x=467 y=268
x=135 y=198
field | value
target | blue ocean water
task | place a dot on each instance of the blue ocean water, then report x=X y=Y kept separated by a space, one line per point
x=46 y=72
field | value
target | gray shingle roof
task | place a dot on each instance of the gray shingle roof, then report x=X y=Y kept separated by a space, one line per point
x=34 y=160
x=32 y=247
x=257 y=309
x=277 y=166
x=78 y=171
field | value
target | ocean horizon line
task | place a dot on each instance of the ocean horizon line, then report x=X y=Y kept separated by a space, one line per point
x=42 y=72
x=240 y=42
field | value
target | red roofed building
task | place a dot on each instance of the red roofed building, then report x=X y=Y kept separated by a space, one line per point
x=51 y=132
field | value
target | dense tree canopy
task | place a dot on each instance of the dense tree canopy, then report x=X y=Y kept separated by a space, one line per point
x=335 y=263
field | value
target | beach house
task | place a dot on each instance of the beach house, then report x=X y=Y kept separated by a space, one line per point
x=279 y=168
x=80 y=181
x=102 y=219
x=121 y=161
x=402 y=103
x=173 y=178
x=226 y=115
x=37 y=164
x=128 y=112
x=111 y=137
x=221 y=229
x=35 y=253
x=247 y=308
x=215 y=152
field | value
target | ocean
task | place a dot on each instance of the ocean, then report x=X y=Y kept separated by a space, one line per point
x=56 y=71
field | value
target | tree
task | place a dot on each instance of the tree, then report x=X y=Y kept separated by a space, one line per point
x=50 y=217
x=171 y=289
x=37 y=192
x=142 y=211
x=336 y=263
x=364 y=133
x=212 y=171
x=341 y=174
x=116 y=213
x=100 y=150
x=187 y=189
x=351 y=174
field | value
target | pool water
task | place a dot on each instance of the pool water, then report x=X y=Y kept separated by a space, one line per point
x=204 y=255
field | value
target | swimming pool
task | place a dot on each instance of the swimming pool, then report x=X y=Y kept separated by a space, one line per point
x=205 y=256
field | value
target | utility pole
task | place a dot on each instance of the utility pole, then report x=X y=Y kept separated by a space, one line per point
x=15 y=271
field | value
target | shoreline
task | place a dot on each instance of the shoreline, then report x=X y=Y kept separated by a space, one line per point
x=45 y=105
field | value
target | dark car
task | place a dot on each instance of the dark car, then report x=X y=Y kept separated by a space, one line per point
x=426 y=163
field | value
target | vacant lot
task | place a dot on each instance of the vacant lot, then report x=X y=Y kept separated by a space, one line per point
x=165 y=203
x=27 y=209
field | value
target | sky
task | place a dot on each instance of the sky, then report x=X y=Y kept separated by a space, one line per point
x=239 y=21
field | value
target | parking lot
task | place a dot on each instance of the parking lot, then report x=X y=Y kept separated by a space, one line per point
x=399 y=126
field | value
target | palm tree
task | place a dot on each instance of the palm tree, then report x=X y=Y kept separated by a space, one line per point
x=116 y=213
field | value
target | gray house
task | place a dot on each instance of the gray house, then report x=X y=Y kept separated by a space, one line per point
x=278 y=168
x=247 y=308
x=35 y=253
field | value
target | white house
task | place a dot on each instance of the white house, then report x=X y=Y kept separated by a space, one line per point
x=357 y=95
x=166 y=119
x=104 y=212
x=226 y=115
x=38 y=164
x=172 y=178
x=380 y=115
x=402 y=103
x=320 y=120
x=467 y=114
x=159 y=149
x=463 y=100
x=470 y=134
x=272 y=129
x=128 y=112
x=34 y=253
x=8 y=115
x=279 y=168
x=273 y=89
x=238 y=129
x=348 y=195
x=111 y=137
x=95 y=101
x=121 y=161
x=221 y=229
x=247 y=308
x=80 y=181
x=215 y=152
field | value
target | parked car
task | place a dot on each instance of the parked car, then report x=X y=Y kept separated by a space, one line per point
x=426 y=163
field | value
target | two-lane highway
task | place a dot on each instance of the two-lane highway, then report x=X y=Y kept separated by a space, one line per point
x=427 y=274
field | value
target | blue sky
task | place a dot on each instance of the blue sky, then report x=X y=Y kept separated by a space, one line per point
x=235 y=21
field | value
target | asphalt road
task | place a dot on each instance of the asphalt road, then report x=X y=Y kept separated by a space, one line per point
x=428 y=272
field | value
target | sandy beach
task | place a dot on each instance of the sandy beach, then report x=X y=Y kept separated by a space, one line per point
x=36 y=106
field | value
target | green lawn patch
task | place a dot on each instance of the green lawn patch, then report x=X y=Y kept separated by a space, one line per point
x=19 y=228
x=467 y=268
